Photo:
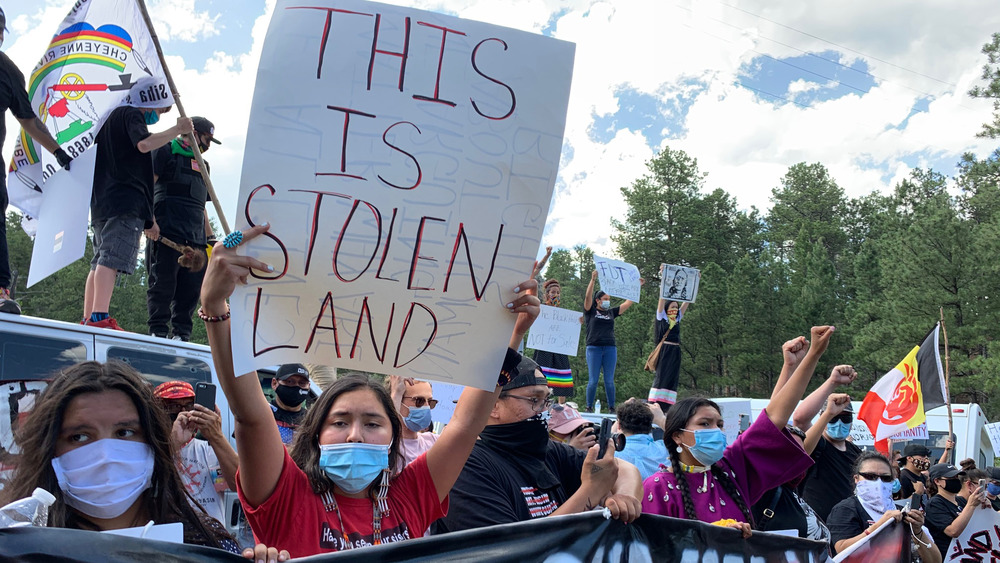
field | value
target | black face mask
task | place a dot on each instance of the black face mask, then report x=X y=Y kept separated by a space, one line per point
x=526 y=442
x=953 y=485
x=291 y=396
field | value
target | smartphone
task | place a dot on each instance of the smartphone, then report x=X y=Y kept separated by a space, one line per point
x=744 y=422
x=204 y=395
x=916 y=502
x=604 y=436
x=982 y=484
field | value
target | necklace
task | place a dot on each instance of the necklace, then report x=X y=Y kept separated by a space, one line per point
x=694 y=468
x=379 y=507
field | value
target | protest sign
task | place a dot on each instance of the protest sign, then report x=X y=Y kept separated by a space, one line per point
x=576 y=537
x=61 y=238
x=734 y=411
x=993 y=429
x=617 y=278
x=980 y=541
x=679 y=283
x=405 y=162
x=918 y=432
x=556 y=330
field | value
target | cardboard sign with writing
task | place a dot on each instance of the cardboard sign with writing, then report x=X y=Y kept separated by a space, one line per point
x=405 y=162
x=617 y=278
x=679 y=283
x=980 y=538
x=556 y=330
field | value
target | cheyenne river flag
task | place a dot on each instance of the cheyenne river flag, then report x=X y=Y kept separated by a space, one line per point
x=901 y=398
x=102 y=56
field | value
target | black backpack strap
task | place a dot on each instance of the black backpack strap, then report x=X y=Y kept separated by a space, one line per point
x=769 y=511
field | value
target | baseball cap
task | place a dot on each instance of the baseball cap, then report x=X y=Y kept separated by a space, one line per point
x=288 y=370
x=205 y=126
x=564 y=420
x=944 y=471
x=993 y=472
x=916 y=449
x=527 y=375
x=174 y=390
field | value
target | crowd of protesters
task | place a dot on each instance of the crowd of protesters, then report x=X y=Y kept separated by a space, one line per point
x=363 y=465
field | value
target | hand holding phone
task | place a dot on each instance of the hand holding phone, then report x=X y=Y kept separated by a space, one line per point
x=603 y=437
x=204 y=395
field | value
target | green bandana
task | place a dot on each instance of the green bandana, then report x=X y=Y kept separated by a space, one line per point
x=179 y=147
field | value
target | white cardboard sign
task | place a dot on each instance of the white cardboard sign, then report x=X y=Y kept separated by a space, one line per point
x=918 y=432
x=61 y=238
x=679 y=283
x=405 y=162
x=617 y=278
x=993 y=429
x=556 y=330
x=983 y=530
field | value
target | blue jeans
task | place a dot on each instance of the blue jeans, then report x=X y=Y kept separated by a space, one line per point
x=598 y=357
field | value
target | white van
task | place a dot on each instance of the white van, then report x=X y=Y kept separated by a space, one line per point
x=971 y=438
x=33 y=349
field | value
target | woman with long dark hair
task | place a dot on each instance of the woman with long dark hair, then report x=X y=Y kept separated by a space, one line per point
x=335 y=489
x=602 y=351
x=98 y=441
x=708 y=481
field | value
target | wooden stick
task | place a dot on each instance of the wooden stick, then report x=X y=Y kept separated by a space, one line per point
x=947 y=378
x=180 y=107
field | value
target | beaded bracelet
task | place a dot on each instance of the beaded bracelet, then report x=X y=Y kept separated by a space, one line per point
x=223 y=317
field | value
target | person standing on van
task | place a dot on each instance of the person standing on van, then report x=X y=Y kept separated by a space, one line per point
x=14 y=97
x=602 y=352
x=179 y=215
x=291 y=388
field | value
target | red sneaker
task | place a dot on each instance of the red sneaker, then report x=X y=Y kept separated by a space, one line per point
x=109 y=323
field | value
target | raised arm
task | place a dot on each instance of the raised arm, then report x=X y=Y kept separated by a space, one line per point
x=157 y=140
x=588 y=298
x=540 y=265
x=792 y=352
x=256 y=432
x=448 y=455
x=840 y=375
x=780 y=407
x=835 y=405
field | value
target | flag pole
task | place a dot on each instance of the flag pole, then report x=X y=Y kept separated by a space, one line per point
x=947 y=374
x=180 y=107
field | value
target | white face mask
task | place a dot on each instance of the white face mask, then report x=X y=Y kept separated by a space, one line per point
x=104 y=478
x=875 y=495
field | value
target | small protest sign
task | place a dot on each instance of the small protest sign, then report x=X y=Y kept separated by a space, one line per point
x=980 y=538
x=617 y=278
x=405 y=162
x=679 y=283
x=556 y=330
x=993 y=429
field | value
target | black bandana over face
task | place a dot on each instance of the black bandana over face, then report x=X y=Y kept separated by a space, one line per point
x=526 y=443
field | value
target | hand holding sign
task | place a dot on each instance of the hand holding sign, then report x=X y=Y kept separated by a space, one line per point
x=618 y=279
x=679 y=283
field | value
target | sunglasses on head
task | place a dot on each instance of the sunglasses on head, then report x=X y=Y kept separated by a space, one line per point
x=876 y=476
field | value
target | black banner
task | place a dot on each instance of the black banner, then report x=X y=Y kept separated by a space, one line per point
x=565 y=539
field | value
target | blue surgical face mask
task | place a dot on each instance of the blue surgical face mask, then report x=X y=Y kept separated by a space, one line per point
x=418 y=419
x=605 y=304
x=992 y=489
x=896 y=486
x=709 y=445
x=151 y=116
x=839 y=430
x=353 y=466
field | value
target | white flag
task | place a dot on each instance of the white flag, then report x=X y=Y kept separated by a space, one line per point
x=101 y=57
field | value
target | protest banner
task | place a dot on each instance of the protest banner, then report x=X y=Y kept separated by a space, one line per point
x=556 y=330
x=993 y=430
x=577 y=537
x=679 y=283
x=918 y=432
x=405 y=162
x=100 y=57
x=617 y=278
x=889 y=542
x=61 y=238
x=980 y=541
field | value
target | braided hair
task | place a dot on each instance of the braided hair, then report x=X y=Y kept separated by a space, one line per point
x=677 y=419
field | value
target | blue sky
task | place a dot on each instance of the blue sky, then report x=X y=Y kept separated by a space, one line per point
x=748 y=88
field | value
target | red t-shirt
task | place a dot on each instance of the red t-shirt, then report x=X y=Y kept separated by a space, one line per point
x=293 y=517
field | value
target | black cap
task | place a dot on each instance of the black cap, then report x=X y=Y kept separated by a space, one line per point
x=3 y=20
x=993 y=472
x=288 y=370
x=527 y=375
x=916 y=449
x=944 y=471
x=205 y=126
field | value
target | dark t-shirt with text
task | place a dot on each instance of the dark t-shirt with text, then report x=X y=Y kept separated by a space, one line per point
x=600 y=325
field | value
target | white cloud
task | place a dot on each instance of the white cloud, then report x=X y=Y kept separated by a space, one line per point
x=180 y=21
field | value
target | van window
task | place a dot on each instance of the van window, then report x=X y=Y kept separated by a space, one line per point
x=160 y=368
x=31 y=357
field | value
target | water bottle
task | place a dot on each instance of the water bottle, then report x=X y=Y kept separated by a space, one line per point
x=597 y=406
x=31 y=511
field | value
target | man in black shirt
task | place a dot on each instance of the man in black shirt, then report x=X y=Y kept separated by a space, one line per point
x=911 y=477
x=121 y=205
x=15 y=97
x=516 y=473
x=291 y=388
x=179 y=197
